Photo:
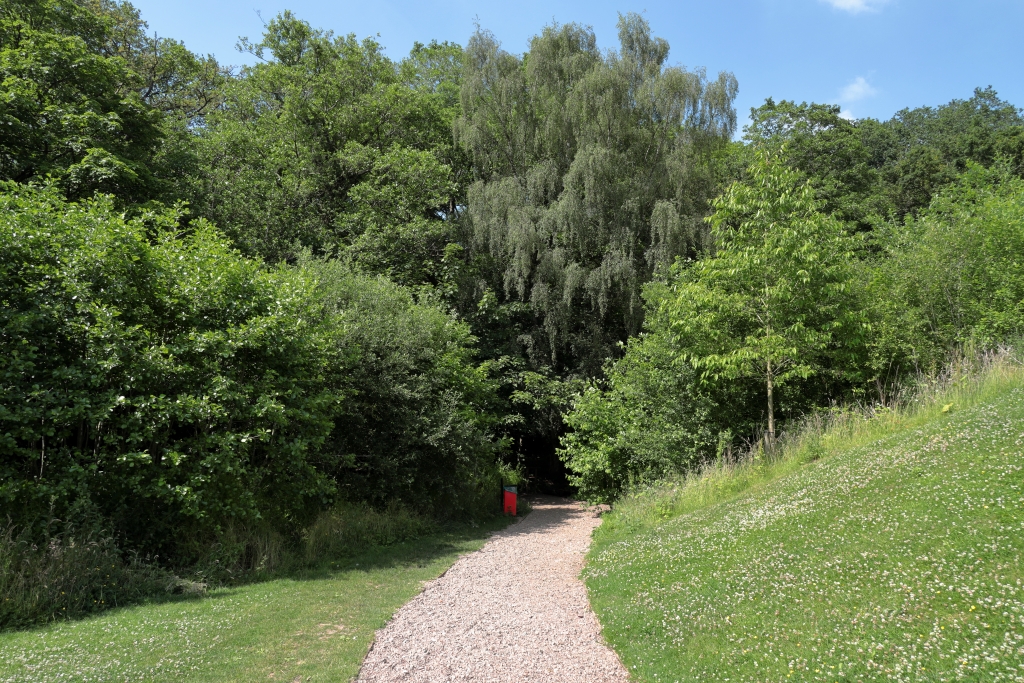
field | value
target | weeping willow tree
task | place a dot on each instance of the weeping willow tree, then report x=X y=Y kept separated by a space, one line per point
x=593 y=169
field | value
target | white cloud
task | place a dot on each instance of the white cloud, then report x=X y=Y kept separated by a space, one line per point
x=857 y=6
x=857 y=90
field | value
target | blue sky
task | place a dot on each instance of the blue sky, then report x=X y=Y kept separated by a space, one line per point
x=873 y=57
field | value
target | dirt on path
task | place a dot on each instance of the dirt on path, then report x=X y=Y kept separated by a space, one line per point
x=512 y=611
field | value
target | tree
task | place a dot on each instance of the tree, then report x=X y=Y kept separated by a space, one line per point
x=840 y=158
x=592 y=171
x=326 y=144
x=951 y=277
x=153 y=375
x=95 y=102
x=160 y=378
x=775 y=298
x=867 y=171
x=936 y=144
x=69 y=109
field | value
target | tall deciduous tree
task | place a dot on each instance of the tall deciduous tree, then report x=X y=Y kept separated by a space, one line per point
x=68 y=108
x=842 y=159
x=775 y=300
x=89 y=98
x=329 y=145
x=592 y=171
x=866 y=171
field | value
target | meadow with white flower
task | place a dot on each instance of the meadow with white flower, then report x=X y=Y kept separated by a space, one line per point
x=887 y=548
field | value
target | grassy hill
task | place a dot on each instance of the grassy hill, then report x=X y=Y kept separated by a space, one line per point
x=888 y=549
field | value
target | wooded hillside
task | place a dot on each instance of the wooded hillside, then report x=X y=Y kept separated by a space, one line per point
x=234 y=300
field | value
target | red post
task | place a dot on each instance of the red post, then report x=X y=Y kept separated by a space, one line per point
x=509 y=502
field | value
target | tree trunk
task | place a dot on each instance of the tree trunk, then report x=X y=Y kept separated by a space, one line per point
x=771 y=405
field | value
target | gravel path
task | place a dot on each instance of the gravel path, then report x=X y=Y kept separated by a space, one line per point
x=512 y=611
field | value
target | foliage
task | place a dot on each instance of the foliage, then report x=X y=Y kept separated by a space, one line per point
x=648 y=420
x=421 y=266
x=841 y=159
x=166 y=75
x=866 y=171
x=199 y=404
x=70 y=110
x=783 y=298
x=952 y=277
x=416 y=425
x=979 y=129
x=775 y=299
x=179 y=87
x=773 y=302
x=159 y=375
x=965 y=382
x=98 y=104
x=184 y=389
x=328 y=145
x=209 y=409
x=528 y=414
x=591 y=171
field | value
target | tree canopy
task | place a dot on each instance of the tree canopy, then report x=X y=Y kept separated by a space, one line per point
x=243 y=296
x=327 y=144
x=592 y=171
x=867 y=171
x=71 y=110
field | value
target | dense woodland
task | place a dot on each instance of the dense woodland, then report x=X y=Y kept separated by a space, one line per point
x=237 y=298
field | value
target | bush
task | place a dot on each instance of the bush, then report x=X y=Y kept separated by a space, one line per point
x=153 y=372
x=648 y=420
x=951 y=278
x=416 y=423
x=207 y=409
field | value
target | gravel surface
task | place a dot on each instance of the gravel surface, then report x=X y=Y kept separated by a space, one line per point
x=512 y=611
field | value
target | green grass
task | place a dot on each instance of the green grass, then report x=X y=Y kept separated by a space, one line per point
x=315 y=625
x=885 y=549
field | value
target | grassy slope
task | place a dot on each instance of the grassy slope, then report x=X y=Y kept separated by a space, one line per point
x=897 y=557
x=317 y=626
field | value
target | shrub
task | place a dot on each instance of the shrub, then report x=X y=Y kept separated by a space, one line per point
x=154 y=372
x=208 y=408
x=416 y=423
x=648 y=420
x=953 y=277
